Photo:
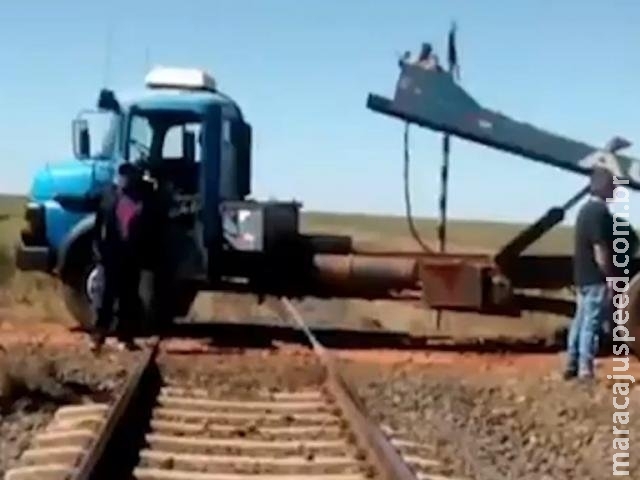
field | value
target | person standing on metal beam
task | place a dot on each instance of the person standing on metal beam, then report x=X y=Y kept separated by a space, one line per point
x=592 y=264
x=426 y=59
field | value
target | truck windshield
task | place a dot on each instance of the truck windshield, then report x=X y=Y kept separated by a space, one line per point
x=164 y=136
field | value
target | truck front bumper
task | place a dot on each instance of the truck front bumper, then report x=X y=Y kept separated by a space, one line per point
x=32 y=258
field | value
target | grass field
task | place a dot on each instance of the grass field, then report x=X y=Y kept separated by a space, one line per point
x=24 y=296
x=38 y=296
x=11 y=209
x=394 y=231
x=461 y=234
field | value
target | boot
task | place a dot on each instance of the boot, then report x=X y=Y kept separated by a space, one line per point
x=97 y=341
x=127 y=343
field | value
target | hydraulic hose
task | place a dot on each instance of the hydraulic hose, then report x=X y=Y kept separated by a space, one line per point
x=407 y=194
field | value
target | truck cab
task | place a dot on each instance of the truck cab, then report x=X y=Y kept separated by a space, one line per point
x=193 y=142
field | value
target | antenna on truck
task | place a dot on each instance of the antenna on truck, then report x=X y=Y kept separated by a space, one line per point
x=107 y=54
x=147 y=59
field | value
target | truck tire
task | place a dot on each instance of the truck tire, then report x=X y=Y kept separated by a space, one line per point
x=633 y=308
x=83 y=283
x=76 y=296
x=160 y=303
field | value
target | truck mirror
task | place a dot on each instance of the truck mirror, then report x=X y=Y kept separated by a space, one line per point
x=81 y=139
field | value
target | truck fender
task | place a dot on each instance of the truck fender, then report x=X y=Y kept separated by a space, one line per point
x=79 y=231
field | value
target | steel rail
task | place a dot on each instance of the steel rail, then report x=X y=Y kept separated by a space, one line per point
x=386 y=457
x=381 y=453
x=95 y=455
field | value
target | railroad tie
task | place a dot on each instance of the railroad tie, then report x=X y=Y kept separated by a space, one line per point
x=175 y=390
x=47 y=471
x=220 y=429
x=74 y=437
x=208 y=444
x=195 y=460
x=414 y=454
x=55 y=452
x=195 y=435
x=241 y=405
x=74 y=411
x=64 y=455
x=428 y=476
x=151 y=474
x=90 y=422
x=236 y=418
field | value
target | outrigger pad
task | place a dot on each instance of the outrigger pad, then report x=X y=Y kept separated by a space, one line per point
x=432 y=99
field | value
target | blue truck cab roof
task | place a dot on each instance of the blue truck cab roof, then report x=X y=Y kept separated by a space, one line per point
x=180 y=89
x=196 y=101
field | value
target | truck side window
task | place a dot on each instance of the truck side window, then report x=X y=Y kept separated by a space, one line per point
x=174 y=146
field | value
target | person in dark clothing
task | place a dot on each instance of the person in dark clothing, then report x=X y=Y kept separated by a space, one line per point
x=122 y=247
x=426 y=59
x=592 y=264
x=127 y=240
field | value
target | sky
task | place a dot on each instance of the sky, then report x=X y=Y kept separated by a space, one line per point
x=302 y=71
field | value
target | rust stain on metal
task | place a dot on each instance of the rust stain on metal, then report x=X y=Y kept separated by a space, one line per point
x=456 y=284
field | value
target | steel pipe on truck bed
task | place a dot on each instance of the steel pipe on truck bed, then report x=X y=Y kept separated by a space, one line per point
x=367 y=275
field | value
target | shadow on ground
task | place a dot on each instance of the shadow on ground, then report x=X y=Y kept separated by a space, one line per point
x=252 y=335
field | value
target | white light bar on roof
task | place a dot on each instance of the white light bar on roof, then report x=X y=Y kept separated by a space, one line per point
x=183 y=78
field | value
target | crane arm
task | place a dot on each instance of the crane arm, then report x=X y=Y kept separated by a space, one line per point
x=431 y=99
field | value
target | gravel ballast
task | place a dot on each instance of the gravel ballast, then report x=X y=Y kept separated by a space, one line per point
x=36 y=381
x=489 y=426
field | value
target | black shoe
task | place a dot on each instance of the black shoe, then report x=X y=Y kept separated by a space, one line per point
x=130 y=345
x=569 y=374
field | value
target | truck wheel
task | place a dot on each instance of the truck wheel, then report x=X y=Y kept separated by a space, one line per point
x=633 y=308
x=83 y=288
x=80 y=289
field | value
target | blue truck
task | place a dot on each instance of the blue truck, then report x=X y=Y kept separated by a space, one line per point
x=181 y=118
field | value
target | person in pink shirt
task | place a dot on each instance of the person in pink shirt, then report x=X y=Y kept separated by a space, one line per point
x=119 y=245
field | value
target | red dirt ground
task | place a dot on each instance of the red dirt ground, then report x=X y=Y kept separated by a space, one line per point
x=469 y=391
x=54 y=335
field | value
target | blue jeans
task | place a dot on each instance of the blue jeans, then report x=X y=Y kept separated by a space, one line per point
x=589 y=321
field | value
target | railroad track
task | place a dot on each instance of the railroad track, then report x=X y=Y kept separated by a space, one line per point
x=161 y=429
